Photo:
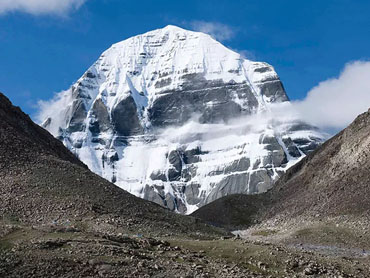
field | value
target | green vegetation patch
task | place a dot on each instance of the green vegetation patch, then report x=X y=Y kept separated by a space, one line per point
x=245 y=255
x=5 y=245
x=331 y=234
x=266 y=232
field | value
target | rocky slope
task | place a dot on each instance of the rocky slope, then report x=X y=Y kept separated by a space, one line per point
x=175 y=117
x=43 y=183
x=58 y=219
x=333 y=181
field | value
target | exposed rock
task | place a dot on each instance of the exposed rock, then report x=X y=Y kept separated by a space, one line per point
x=100 y=119
x=126 y=109
x=78 y=115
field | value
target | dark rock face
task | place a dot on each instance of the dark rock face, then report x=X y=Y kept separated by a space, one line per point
x=212 y=101
x=192 y=193
x=274 y=89
x=174 y=172
x=192 y=156
x=238 y=166
x=157 y=195
x=150 y=194
x=276 y=156
x=126 y=109
x=159 y=176
x=308 y=145
x=261 y=181
x=291 y=147
x=229 y=185
x=100 y=119
x=78 y=116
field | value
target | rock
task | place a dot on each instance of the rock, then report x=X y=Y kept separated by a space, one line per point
x=311 y=270
x=78 y=115
x=126 y=109
x=100 y=120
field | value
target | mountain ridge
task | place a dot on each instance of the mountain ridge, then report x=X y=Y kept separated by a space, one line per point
x=332 y=181
x=14 y=120
x=43 y=184
x=159 y=81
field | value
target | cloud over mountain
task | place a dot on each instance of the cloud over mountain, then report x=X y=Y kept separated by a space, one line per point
x=334 y=103
x=219 y=31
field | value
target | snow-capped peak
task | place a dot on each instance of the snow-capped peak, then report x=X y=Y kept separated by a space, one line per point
x=146 y=65
x=161 y=80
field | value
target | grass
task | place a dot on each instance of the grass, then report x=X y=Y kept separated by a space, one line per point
x=10 y=219
x=330 y=234
x=235 y=251
x=5 y=245
x=264 y=232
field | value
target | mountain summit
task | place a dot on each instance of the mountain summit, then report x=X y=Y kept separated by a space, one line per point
x=143 y=69
x=175 y=117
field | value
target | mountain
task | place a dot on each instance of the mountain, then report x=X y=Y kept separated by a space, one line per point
x=174 y=117
x=43 y=184
x=333 y=181
x=58 y=219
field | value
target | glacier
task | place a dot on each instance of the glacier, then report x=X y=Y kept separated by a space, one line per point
x=175 y=117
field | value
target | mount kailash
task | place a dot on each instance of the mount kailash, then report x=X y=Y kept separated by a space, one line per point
x=175 y=117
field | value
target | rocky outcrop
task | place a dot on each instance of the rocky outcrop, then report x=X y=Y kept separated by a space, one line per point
x=100 y=119
x=126 y=109
x=213 y=104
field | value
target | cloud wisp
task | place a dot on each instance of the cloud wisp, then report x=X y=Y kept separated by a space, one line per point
x=335 y=103
x=40 y=7
x=219 y=31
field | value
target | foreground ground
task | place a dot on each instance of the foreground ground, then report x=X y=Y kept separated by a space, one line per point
x=306 y=249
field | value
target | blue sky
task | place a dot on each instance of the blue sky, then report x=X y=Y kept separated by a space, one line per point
x=43 y=52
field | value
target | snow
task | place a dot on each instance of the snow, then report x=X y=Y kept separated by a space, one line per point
x=136 y=67
x=223 y=144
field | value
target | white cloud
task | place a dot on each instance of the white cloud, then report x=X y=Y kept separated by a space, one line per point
x=247 y=54
x=38 y=7
x=336 y=102
x=217 y=30
x=244 y=53
x=57 y=109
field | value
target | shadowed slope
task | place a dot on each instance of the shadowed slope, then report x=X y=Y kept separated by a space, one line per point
x=21 y=140
x=41 y=182
x=334 y=180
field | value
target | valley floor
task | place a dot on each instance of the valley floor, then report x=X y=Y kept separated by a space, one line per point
x=306 y=249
